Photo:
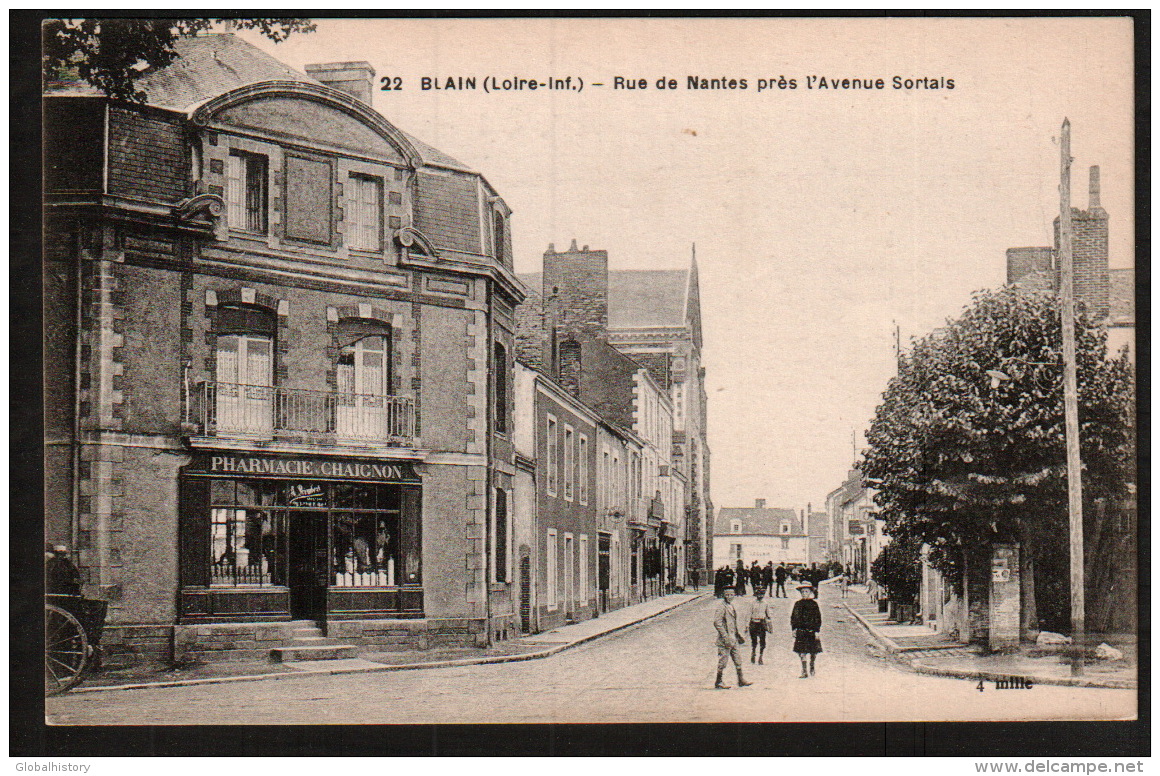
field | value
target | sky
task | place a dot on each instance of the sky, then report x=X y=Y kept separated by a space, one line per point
x=821 y=218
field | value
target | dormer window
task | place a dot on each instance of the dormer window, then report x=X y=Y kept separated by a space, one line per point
x=785 y=528
x=498 y=231
x=246 y=192
x=364 y=212
x=735 y=526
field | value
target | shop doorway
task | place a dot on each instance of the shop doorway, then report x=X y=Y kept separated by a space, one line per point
x=309 y=569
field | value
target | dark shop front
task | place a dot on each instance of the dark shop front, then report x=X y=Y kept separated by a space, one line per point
x=266 y=538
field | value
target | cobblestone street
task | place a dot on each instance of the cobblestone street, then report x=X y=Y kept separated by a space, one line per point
x=662 y=670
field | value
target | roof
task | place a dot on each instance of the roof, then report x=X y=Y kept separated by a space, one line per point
x=1122 y=295
x=535 y=283
x=756 y=520
x=638 y=298
x=210 y=65
x=645 y=298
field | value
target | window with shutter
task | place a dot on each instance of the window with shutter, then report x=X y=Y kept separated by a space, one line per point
x=364 y=212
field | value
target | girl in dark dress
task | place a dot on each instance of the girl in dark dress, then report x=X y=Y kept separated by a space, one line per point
x=806 y=621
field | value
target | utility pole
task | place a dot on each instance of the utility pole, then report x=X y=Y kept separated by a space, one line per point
x=1070 y=403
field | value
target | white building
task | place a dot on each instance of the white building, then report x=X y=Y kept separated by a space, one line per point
x=759 y=533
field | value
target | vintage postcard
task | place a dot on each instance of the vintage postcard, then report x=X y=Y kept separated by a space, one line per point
x=576 y=370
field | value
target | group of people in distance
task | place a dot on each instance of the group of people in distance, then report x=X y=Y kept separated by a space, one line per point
x=769 y=577
x=805 y=620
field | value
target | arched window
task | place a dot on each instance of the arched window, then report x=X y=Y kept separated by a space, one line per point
x=365 y=412
x=244 y=370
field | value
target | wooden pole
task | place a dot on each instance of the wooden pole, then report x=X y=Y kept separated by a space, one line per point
x=1070 y=403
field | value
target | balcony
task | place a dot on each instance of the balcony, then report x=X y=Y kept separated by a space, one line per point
x=261 y=412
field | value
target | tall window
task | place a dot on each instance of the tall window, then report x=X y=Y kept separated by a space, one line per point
x=635 y=474
x=501 y=536
x=582 y=470
x=583 y=591
x=363 y=412
x=616 y=564
x=569 y=462
x=551 y=456
x=617 y=492
x=498 y=234
x=605 y=485
x=501 y=399
x=244 y=393
x=364 y=213
x=551 y=570
x=246 y=192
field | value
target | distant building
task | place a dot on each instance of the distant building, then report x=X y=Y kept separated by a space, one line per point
x=654 y=318
x=856 y=533
x=818 y=528
x=759 y=533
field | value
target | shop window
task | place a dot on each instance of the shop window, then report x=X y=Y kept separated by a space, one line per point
x=244 y=393
x=500 y=367
x=246 y=192
x=365 y=548
x=308 y=199
x=634 y=564
x=364 y=213
x=246 y=535
x=363 y=411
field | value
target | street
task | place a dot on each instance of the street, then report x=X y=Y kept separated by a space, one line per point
x=661 y=670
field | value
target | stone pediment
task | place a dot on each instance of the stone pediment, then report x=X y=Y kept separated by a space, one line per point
x=309 y=122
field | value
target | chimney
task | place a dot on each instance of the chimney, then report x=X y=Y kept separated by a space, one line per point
x=1094 y=187
x=355 y=78
x=759 y=503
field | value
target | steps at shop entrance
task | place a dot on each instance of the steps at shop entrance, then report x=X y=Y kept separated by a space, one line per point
x=308 y=643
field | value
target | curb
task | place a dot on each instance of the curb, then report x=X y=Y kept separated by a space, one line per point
x=887 y=642
x=549 y=652
x=918 y=666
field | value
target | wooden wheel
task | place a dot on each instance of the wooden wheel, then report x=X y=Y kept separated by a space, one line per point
x=66 y=650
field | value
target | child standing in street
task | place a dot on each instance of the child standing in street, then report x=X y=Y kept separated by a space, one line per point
x=806 y=621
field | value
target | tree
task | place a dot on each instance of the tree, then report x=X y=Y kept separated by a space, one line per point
x=967 y=446
x=110 y=53
x=898 y=570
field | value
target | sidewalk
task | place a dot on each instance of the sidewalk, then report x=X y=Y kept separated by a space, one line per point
x=927 y=652
x=530 y=647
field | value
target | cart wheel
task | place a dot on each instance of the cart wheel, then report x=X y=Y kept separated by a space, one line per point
x=66 y=650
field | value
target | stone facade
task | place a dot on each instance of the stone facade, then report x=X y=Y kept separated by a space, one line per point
x=243 y=202
x=591 y=328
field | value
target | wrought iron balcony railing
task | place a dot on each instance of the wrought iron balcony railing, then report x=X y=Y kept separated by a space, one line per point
x=266 y=412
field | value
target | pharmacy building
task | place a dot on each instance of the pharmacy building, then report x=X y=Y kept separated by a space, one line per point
x=279 y=356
